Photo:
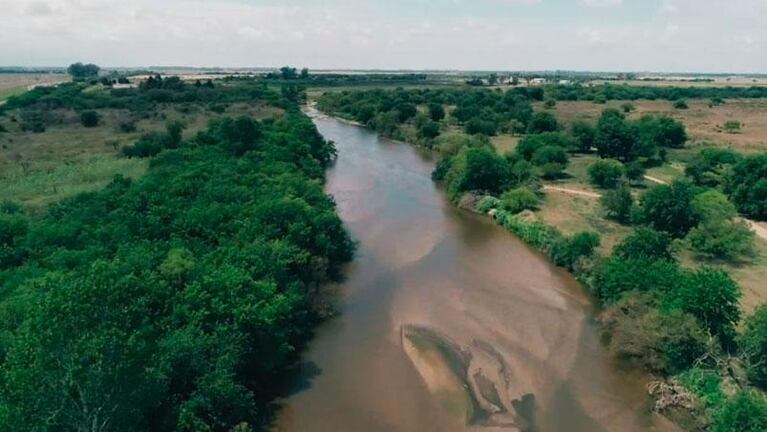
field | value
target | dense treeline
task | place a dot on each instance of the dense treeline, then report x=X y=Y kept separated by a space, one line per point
x=605 y=92
x=174 y=302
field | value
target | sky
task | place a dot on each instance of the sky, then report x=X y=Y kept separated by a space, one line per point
x=595 y=35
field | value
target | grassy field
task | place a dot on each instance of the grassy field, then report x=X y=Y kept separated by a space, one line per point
x=39 y=168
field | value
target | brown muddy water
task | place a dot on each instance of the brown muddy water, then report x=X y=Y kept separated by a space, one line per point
x=446 y=321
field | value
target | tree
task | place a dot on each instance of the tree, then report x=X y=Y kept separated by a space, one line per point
x=82 y=72
x=543 y=122
x=406 y=111
x=90 y=118
x=669 y=208
x=519 y=199
x=710 y=166
x=719 y=236
x=618 y=203
x=567 y=251
x=628 y=107
x=744 y=412
x=635 y=171
x=711 y=296
x=429 y=130
x=606 y=173
x=753 y=344
x=550 y=103
x=615 y=137
x=584 y=134
x=304 y=74
x=746 y=185
x=680 y=104
x=645 y=242
x=436 y=111
x=614 y=277
x=661 y=131
x=288 y=73
x=477 y=169
x=528 y=145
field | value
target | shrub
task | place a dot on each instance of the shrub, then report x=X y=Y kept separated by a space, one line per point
x=550 y=103
x=640 y=334
x=746 y=185
x=584 y=134
x=753 y=345
x=519 y=199
x=711 y=296
x=645 y=243
x=436 y=111
x=732 y=126
x=488 y=203
x=618 y=203
x=628 y=107
x=429 y=130
x=477 y=126
x=536 y=234
x=549 y=154
x=528 y=145
x=568 y=251
x=606 y=173
x=127 y=126
x=635 y=171
x=745 y=412
x=543 y=122
x=476 y=169
x=723 y=240
x=669 y=208
x=616 y=276
x=90 y=118
x=680 y=104
x=710 y=166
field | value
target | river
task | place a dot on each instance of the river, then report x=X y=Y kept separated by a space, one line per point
x=447 y=322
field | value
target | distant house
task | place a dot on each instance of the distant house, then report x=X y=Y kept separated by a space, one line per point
x=124 y=86
x=565 y=82
x=538 y=81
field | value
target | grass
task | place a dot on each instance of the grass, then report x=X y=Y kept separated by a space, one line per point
x=36 y=189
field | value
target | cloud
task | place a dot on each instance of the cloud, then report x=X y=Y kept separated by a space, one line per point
x=36 y=8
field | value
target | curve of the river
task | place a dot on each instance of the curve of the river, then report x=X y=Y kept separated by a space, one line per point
x=447 y=322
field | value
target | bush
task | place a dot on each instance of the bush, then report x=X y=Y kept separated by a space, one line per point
x=429 y=130
x=722 y=240
x=618 y=203
x=711 y=296
x=616 y=276
x=488 y=203
x=127 y=126
x=519 y=199
x=568 y=251
x=635 y=171
x=645 y=243
x=680 y=104
x=710 y=166
x=745 y=412
x=436 y=111
x=746 y=185
x=606 y=173
x=528 y=145
x=476 y=169
x=628 y=107
x=549 y=154
x=543 y=122
x=640 y=334
x=669 y=208
x=550 y=104
x=478 y=126
x=753 y=345
x=732 y=126
x=90 y=118
x=584 y=134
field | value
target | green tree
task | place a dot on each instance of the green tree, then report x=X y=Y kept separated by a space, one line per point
x=606 y=173
x=645 y=242
x=711 y=296
x=543 y=122
x=746 y=185
x=669 y=208
x=436 y=111
x=618 y=203
x=429 y=130
x=81 y=72
x=744 y=412
x=90 y=118
x=584 y=134
x=568 y=251
x=753 y=344
x=519 y=199
x=710 y=166
x=615 y=137
x=616 y=276
x=477 y=169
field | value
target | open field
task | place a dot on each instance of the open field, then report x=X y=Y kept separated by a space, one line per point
x=14 y=84
x=39 y=168
x=734 y=81
x=704 y=123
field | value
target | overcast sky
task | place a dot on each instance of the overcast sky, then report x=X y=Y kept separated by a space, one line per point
x=614 y=35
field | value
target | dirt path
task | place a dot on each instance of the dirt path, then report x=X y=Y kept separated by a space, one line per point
x=572 y=191
x=655 y=180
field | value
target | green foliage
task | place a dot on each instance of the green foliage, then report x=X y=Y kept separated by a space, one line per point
x=585 y=135
x=528 y=145
x=711 y=296
x=153 y=143
x=176 y=301
x=519 y=199
x=618 y=203
x=728 y=240
x=616 y=138
x=640 y=334
x=80 y=71
x=568 y=251
x=753 y=345
x=488 y=203
x=732 y=126
x=710 y=166
x=746 y=185
x=536 y=234
x=635 y=171
x=616 y=276
x=628 y=107
x=606 y=173
x=680 y=104
x=90 y=118
x=475 y=169
x=436 y=111
x=706 y=385
x=669 y=208
x=645 y=243
x=744 y=412
x=661 y=131
x=550 y=103
x=543 y=122
x=429 y=130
